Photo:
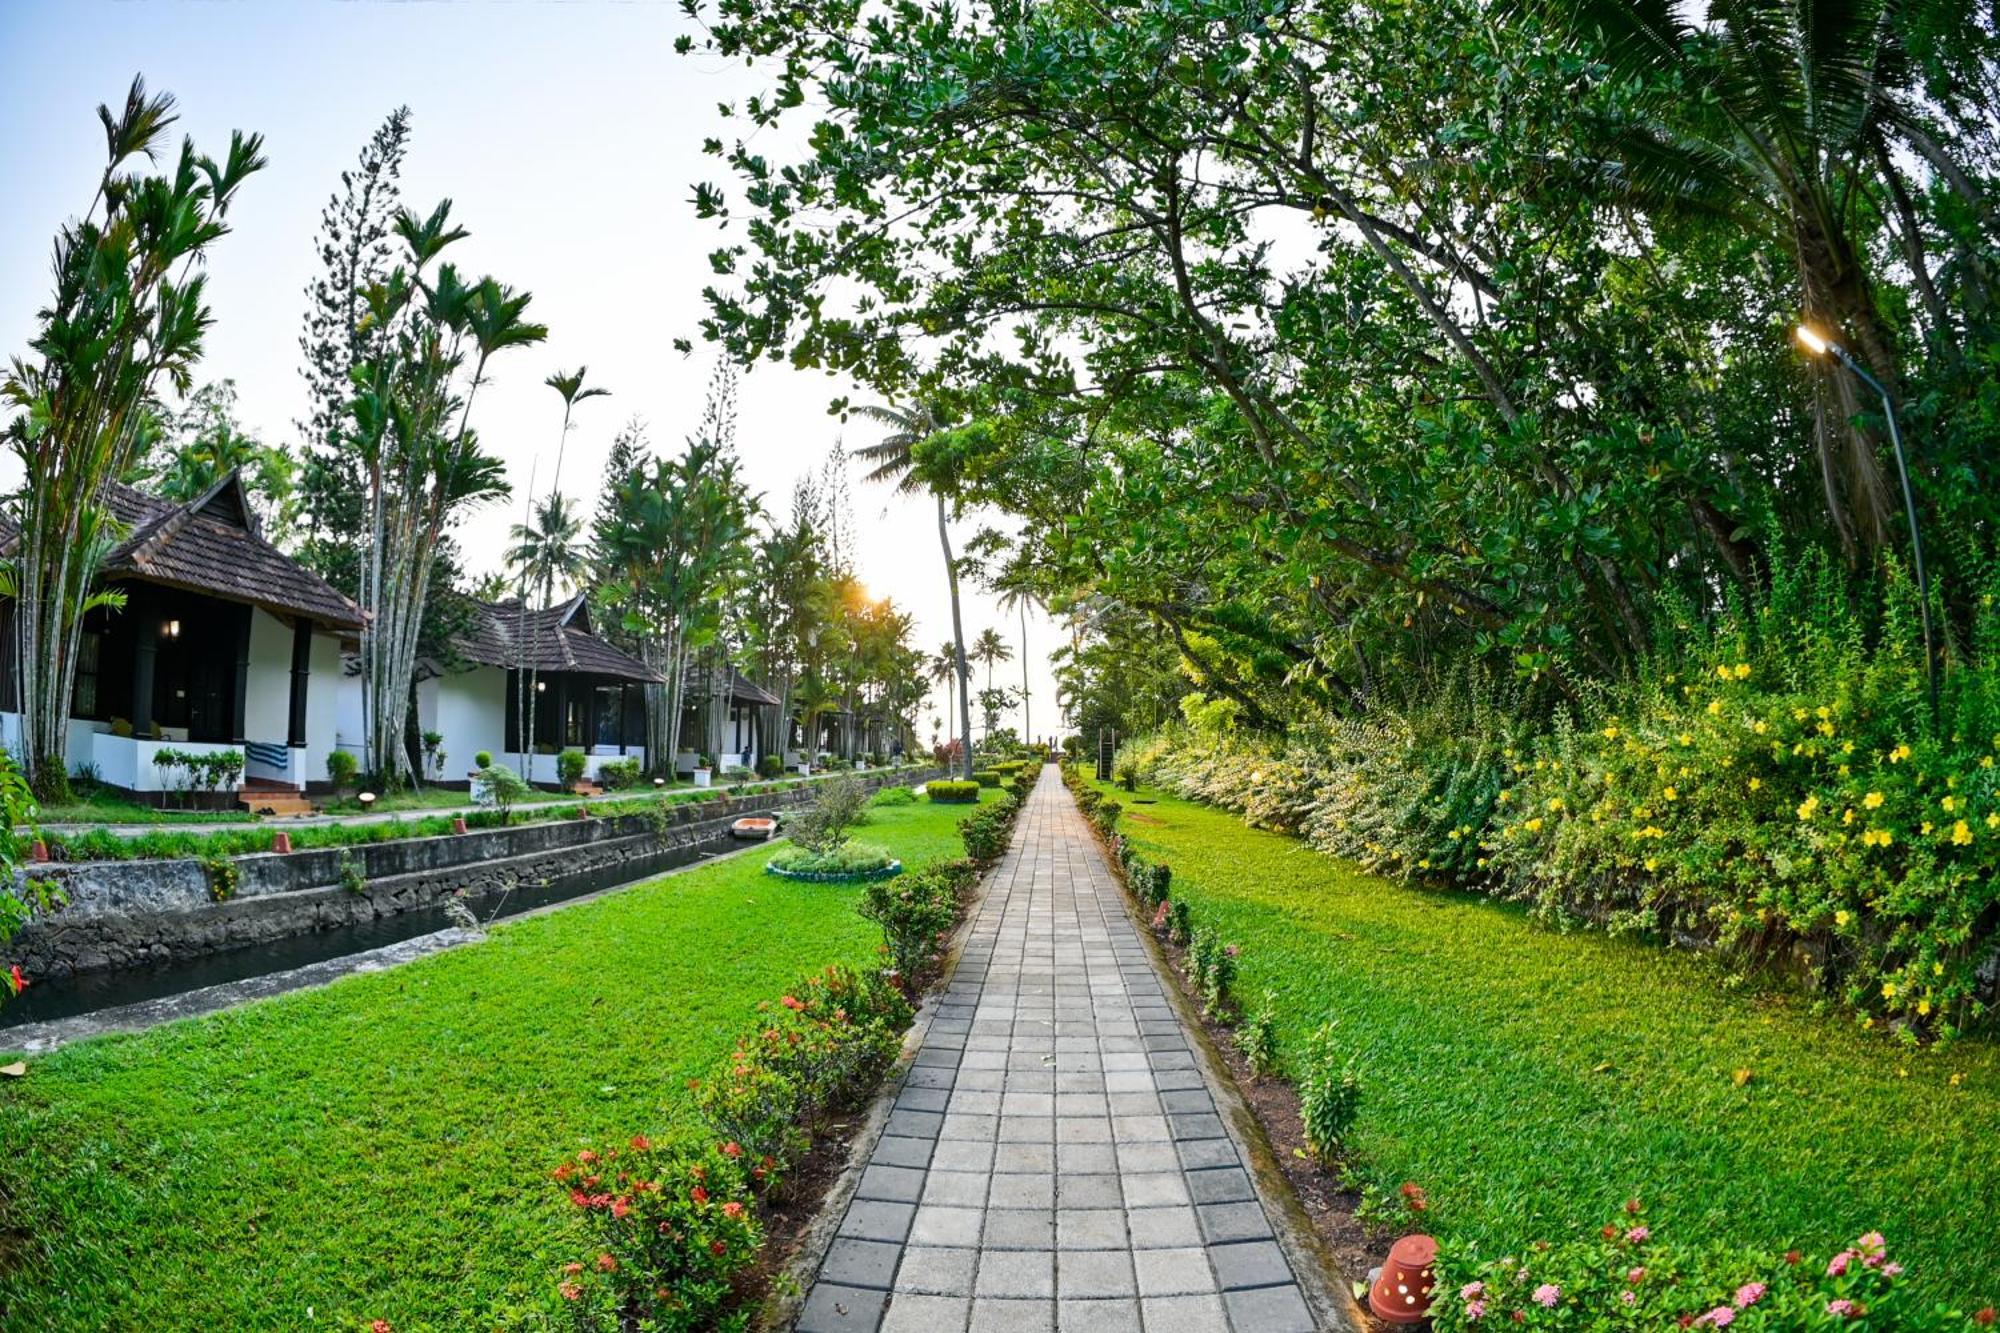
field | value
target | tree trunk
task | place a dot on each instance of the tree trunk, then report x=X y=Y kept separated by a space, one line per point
x=958 y=641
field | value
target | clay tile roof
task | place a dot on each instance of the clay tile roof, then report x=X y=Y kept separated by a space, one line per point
x=556 y=639
x=742 y=689
x=211 y=545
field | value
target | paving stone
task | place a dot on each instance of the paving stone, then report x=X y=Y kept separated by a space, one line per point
x=1008 y=1316
x=1017 y=1273
x=861 y=1263
x=914 y=1313
x=1097 y=1316
x=936 y=1270
x=1163 y=1228
x=1054 y=1157
x=1187 y=1314
x=939 y=1225
x=877 y=1219
x=1090 y=1273
x=1019 y=1228
x=903 y=1184
x=832 y=1308
x=1270 y=1310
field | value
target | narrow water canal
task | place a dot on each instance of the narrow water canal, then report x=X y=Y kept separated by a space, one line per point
x=70 y=997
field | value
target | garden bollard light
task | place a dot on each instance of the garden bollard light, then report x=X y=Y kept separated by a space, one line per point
x=281 y=842
x=458 y=823
x=39 y=852
x=1402 y=1294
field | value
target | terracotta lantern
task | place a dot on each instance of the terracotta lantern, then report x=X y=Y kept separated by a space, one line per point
x=1402 y=1292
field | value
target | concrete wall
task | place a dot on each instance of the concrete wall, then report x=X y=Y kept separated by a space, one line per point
x=471 y=716
x=267 y=700
x=123 y=912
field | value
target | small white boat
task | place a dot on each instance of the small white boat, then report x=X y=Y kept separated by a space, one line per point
x=754 y=828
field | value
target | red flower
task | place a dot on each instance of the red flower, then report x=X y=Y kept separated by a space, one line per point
x=14 y=977
x=380 y=1326
x=620 y=1207
x=1793 y=1256
x=641 y=1142
x=586 y=1157
x=793 y=1003
x=1413 y=1194
x=579 y=1198
x=572 y=1269
x=1632 y=1206
x=1985 y=1317
x=1610 y=1231
x=571 y=1291
x=607 y=1263
x=732 y=1209
x=564 y=1171
x=732 y=1149
x=717 y=1247
x=700 y=1195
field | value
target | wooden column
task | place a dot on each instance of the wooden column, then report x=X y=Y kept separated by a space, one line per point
x=301 y=669
x=240 y=693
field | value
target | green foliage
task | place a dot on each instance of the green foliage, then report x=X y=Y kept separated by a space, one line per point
x=987 y=832
x=1329 y=1093
x=1473 y=1027
x=1628 y=1278
x=619 y=774
x=570 y=765
x=986 y=777
x=223 y=877
x=916 y=912
x=341 y=766
x=504 y=787
x=352 y=877
x=894 y=794
x=770 y=766
x=174 y=1135
x=1180 y=922
x=952 y=792
x=848 y=859
x=677 y=1225
x=1257 y=1036
x=838 y=804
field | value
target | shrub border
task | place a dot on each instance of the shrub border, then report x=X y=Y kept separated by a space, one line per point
x=890 y=871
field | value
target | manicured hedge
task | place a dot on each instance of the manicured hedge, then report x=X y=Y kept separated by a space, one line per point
x=954 y=792
x=987 y=777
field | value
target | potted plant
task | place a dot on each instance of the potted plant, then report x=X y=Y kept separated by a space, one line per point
x=433 y=743
x=703 y=768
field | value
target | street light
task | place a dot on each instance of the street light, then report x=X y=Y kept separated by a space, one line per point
x=1817 y=344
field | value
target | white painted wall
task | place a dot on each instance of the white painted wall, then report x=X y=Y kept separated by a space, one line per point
x=324 y=690
x=471 y=715
x=267 y=698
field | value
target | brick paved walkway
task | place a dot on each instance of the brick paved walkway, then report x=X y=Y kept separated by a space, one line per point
x=1054 y=1159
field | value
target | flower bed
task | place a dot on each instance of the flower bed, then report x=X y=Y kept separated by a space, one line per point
x=849 y=865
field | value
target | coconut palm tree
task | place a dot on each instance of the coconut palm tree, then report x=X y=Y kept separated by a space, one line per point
x=991 y=649
x=1777 y=115
x=893 y=459
x=1016 y=595
x=943 y=669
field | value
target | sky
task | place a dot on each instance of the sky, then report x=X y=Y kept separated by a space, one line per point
x=567 y=135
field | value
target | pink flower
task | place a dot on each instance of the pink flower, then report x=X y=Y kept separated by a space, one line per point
x=1722 y=1316
x=1749 y=1294
x=1635 y=1276
x=1892 y=1270
x=1629 y=1296
x=1837 y=1266
x=1638 y=1235
x=1841 y=1306
x=1475 y=1309
x=1471 y=1291
x=1547 y=1295
x=1872 y=1243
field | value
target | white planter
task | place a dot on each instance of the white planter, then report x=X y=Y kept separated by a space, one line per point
x=701 y=777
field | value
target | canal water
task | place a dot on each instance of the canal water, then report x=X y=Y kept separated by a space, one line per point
x=90 y=992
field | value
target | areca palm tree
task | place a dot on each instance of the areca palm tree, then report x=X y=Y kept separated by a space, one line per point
x=943 y=669
x=1017 y=595
x=1777 y=115
x=893 y=459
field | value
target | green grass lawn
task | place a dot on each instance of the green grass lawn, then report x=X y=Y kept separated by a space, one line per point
x=379 y=1148
x=96 y=805
x=1531 y=1082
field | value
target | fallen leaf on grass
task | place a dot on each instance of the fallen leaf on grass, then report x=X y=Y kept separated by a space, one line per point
x=1604 y=1068
x=1741 y=1077
x=19 y=1069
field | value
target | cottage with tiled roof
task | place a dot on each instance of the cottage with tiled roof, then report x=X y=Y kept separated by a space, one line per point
x=224 y=642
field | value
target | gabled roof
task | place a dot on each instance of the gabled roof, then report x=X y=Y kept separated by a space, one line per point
x=211 y=545
x=742 y=689
x=559 y=638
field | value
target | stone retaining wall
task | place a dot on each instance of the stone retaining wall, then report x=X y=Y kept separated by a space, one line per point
x=123 y=912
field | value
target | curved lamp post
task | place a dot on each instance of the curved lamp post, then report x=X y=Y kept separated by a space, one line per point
x=1819 y=345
